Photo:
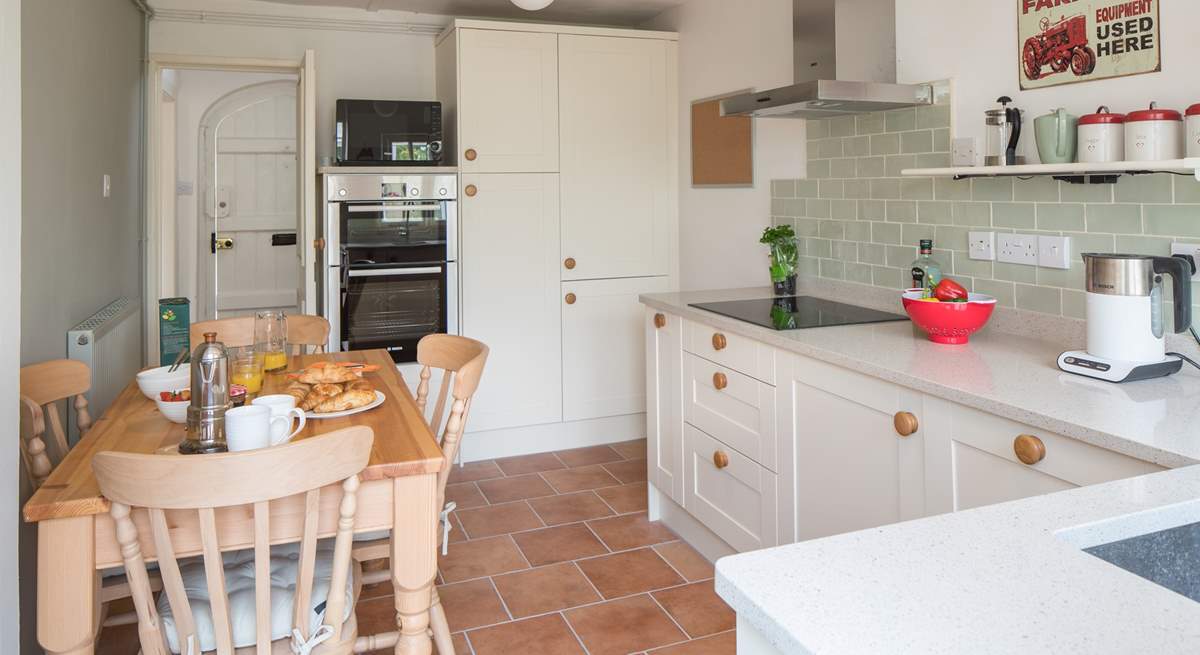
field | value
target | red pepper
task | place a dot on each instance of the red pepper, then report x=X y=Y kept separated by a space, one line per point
x=950 y=291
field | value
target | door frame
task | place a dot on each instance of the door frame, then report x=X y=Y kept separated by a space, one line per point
x=159 y=246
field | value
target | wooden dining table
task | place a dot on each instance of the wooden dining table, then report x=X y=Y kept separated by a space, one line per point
x=76 y=536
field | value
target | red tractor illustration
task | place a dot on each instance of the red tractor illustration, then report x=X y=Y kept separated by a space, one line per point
x=1061 y=45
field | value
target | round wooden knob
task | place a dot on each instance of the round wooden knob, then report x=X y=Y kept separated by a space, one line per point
x=906 y=423
x=660 y=321
x=719 y=342
x=720 y=459
x=720 y=381
x=1029 y=449
x=571 y=299
x=470 y=154
x=569 y=263
x=471 y=190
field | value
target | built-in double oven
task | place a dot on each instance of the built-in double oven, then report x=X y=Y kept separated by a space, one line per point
x=391 y=260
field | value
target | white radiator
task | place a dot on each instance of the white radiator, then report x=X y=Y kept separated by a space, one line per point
x=110 y=343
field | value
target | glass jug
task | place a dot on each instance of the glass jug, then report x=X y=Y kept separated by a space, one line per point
x=270 y=339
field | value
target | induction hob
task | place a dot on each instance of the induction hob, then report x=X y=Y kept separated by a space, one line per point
x=797 y=312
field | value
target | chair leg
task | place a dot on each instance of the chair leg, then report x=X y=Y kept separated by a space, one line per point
x=439 y=626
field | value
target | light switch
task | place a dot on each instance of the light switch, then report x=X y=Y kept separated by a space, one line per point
x=106 y=186
x=1054 y=252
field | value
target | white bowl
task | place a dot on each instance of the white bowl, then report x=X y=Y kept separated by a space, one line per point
x=157 y=380
x=176 y=411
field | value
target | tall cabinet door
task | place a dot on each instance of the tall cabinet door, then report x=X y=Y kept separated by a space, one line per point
x=510 y=296
x=508 y=102
x=604 y=356
x=618 y=154
x=664 y=402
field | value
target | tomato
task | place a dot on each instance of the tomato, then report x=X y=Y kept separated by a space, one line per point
x=950 y=291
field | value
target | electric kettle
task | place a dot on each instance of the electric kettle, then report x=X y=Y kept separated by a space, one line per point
x=210 y=398
x=1126 y=336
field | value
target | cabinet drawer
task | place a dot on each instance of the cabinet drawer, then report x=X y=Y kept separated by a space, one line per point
x=735 y=408
x=737 y=500
x=736 y=352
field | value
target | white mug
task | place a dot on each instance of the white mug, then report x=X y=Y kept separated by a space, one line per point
x=250 y=427
x=282 y=406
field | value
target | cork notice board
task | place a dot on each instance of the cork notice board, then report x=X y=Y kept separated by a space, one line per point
x=722 y=147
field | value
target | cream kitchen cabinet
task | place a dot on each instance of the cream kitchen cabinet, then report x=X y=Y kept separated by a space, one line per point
x=618 y=155
x=603 y=347
x=854 y=447
x=509 y=251
x=730 y=493
x=974 y=458
x=506 y=101
x=664 y=402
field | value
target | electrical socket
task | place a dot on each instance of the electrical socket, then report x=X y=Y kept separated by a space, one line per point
x=963 y=152
x=1017 y=249
x=1054 y=252
x=1192 y=249
x=981 y=246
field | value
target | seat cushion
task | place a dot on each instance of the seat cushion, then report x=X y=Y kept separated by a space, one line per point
x=239 y=586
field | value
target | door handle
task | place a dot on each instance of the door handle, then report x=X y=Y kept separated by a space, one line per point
x=220 y=243
x=387 y=272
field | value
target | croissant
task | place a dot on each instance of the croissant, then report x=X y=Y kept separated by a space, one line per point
x=327 y=389
x=359 y=385
x=298 y=391
x=327 y=372
x=318 y=396
x=346 y=400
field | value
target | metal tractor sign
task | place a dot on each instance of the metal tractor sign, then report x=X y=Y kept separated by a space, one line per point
x=1067 y=41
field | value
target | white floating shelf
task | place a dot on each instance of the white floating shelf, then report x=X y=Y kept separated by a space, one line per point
x=1189 y=166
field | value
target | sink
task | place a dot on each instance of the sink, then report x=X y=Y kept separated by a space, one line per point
x=1168 y=558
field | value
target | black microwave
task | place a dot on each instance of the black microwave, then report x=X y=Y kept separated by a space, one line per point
x=388 y=133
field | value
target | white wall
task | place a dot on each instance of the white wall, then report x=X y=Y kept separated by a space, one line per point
x=351 y=62
x=982 y=59
x=726 y=47
x=866 y=39
x=10 y=330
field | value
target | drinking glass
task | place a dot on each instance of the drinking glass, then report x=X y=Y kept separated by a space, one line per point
x=270 y=338
x=246 y=368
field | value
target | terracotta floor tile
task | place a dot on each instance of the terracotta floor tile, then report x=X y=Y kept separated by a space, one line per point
x=580 y=479
x=588 y=456
x=461 y=647
x=722 y=644
x=529 y=464
x=481 y=557
x=686 y=560
x=376 y=615
x=635 y=449
x=547 y=589
x=457 y=533
x=571 y=508
x=498 y=519
x=506 y=490
x=626 y=498
x=465 y=495
x=474 y=471
x=630 y=572
x=631 y=531
x=623 y=626
x=560 y=544
x=630 y=470
x=545 y=635
x=697 y=609
x=118 y=640
x=470 y=605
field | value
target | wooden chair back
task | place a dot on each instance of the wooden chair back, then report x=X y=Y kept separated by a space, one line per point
x=43 y=385
x=304 y=331
x=461 y=361
x=251 y=479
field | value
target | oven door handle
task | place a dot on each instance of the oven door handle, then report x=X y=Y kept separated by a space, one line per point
x=361 y=209
x=386 y=272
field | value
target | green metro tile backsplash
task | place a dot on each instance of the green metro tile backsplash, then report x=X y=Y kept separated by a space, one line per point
x=859 y=220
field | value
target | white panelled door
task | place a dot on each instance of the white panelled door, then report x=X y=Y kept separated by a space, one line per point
x=510 y=296
x=508 y=103
x=618 y=192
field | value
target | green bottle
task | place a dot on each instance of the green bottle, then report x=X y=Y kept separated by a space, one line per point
x=926 y=271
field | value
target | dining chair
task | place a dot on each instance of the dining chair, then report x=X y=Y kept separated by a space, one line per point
x=207 y=602
x=43 y=385
x=304 y=331
x=461 y=361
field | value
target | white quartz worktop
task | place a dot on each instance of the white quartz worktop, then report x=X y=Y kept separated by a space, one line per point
x=1008 y=578
x=1011 y=376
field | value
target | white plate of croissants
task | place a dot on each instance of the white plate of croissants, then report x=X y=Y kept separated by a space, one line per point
x=331 y=390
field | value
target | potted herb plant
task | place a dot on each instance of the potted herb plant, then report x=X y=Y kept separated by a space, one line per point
x=785 y=257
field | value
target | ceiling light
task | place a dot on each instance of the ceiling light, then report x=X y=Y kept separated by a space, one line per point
x=532 y=5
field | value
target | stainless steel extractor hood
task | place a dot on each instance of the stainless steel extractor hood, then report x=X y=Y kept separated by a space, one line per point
x=826 y=98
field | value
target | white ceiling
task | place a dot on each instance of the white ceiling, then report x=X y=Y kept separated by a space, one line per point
x=600 y=12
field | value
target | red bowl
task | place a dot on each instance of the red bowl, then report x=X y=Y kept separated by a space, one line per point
x=949 y=322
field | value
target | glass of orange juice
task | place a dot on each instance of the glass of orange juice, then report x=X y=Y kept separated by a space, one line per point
x=270 y=338
x=246 y=369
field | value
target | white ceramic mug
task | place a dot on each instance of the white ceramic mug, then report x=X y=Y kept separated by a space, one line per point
x=250 y=427
x=282 y=406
